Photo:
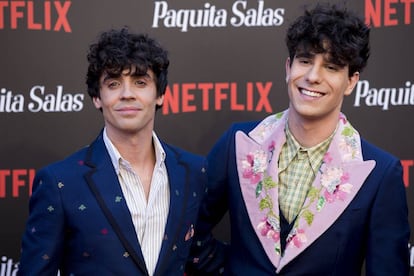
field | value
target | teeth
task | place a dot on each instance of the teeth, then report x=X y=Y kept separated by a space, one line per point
x=311 y=93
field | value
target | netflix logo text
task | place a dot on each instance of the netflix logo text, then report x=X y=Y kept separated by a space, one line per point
x=407 y=166
x=35 y=15
x=15 y=182
x=386 y=13
x=209 y=96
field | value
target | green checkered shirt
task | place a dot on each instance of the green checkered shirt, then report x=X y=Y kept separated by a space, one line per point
x=297 y=170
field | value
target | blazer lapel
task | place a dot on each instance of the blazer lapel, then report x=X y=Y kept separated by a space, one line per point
x=339 y=179
x=257 y=158
x=178 y=178
x=104 y=183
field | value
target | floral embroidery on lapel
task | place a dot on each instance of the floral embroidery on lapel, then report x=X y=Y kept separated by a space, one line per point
x=266 y=126
x=333 y=186
x=297 y=237
x=348 y=145
x=254 y=167
x=334 y=181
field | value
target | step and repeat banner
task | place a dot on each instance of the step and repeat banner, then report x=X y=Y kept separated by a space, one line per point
x=227 y=65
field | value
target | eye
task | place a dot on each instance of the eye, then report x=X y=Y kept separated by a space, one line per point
x=332 y=67
x=113 y=84
x=304 y=60
x=140 y=82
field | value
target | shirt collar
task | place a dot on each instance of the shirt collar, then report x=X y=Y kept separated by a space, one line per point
x=116 y=157
x=315 y=153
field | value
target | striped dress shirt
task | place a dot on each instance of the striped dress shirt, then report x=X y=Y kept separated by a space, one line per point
x=149 y=218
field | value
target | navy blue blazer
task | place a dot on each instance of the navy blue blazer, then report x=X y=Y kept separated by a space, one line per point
x=79 y=222
x=372 y=229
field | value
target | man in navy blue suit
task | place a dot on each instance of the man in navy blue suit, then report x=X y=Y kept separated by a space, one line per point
x=127 y=203
x=306 y=194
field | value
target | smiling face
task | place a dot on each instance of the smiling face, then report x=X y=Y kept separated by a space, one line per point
x=128 y=102
x=316 y=87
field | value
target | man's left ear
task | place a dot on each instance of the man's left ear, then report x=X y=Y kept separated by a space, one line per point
x=353 y=80
x=160 y=100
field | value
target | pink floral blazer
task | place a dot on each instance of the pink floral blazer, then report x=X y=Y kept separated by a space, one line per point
x=339 y=179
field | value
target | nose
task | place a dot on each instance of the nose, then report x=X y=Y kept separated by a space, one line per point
x=127 y=91
x=314 y=74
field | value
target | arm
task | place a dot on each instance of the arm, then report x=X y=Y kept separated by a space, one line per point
x=43 y=238
x=208 y=255
x=387 y=252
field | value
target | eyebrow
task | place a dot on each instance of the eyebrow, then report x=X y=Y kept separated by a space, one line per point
x=328 y=58
x=304 y=54
x=108 y=76
x=146 y=75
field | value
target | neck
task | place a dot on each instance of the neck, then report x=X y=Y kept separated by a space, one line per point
x=309 y=133
x=138 y=149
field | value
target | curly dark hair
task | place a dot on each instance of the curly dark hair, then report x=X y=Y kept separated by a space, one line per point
x=119 y=50
x=331 y=29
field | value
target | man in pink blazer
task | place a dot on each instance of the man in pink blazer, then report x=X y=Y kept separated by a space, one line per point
x=305 y=193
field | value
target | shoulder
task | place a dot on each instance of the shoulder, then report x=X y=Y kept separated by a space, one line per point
x=69 y=163
x=80 y=157
x=181 y=154
x=386 y=164
x=244 y=126
x=373 y=152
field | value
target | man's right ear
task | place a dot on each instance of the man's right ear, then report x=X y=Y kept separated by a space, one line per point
x=287 y=66
x=97 y=102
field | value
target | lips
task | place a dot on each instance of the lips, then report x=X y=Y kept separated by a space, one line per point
x=314 y=94
x=128 y=108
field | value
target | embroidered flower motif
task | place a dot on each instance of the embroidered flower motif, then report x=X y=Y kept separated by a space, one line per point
x=340 y=193
x=254 y=166
x=266 y=126
x=331 y=178
x=86 y=254
x=270 y=228
x=342 y=118
x=348 y=145
x=297 y=238
x=327 y=158
x=271 y=147
x=336 y=185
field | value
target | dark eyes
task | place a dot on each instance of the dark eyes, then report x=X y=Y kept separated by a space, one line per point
x=304 y=60
x=115 y=84
x=332 y=67
x=329 y=66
